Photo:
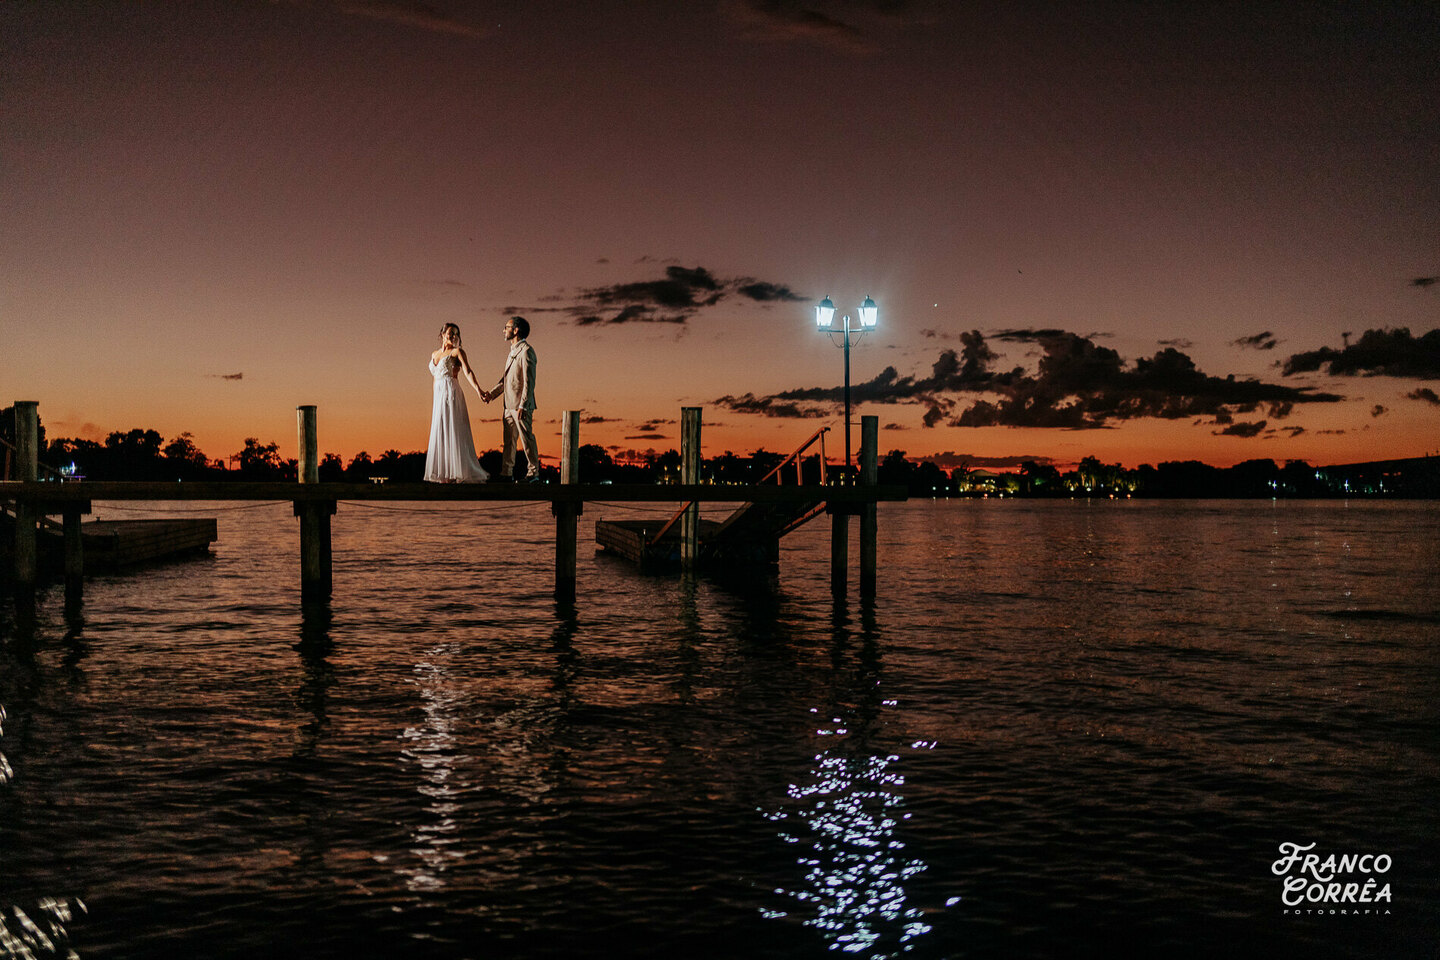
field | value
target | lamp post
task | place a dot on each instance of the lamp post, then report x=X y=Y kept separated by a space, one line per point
x=824 y=322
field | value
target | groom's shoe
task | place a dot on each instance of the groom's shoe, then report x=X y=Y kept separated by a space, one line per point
x=533 y=478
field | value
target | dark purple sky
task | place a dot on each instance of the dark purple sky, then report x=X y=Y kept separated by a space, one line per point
x=218 y=211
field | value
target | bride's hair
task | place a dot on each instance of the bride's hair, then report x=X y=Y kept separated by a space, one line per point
x=447 y=328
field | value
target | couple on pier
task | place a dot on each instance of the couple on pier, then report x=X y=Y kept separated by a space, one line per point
x=451 y=455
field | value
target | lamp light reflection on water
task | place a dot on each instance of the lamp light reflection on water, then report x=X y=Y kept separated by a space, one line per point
x=5 y=772
x=434 y=747
x=45 y=935
x=855 y=866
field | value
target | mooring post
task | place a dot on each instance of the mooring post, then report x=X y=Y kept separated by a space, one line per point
x=869 y=477
x=690 y=474
x=839 y=549
x=315 y=577
x=74 y=552
x=27 y=469
x=567 y=513
x=308 y=442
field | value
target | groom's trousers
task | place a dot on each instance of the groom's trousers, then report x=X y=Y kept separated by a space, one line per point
x=518 y=431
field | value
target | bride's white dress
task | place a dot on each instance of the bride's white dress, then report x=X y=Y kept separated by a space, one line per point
x=451 y=456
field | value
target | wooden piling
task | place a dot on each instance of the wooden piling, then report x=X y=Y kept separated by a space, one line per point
x=27 y=469
x=74 y=552
x=870 y=477
x=567 y=514
x=309 y=444
x=839 y=551
x=27 y=440
x=316 y=579
x=315 y=553
x=689 y=474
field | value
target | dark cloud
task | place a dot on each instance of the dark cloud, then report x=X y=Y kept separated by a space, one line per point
x=1078 y=386
x=648 y=436
x=770 y=407
x=1180 y=344
x=767 y=292
x=1293 y=431
x=1424 y=281
x=1379 y=410
x=1242 y=429
x=226 y=376
x=1378 y=353
x=676 y=297
x=850 y=26
x=1028 y=336
x=598 y=419
x=787 y=20
x=421 y=16
x=1260 y=341
x=633 y=313
x=1425 y=394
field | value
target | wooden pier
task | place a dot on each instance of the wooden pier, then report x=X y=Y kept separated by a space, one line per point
x=315 y=503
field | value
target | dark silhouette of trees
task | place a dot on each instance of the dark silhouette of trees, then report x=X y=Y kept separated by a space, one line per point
x=361 y=468
x=1040 y=479
x=261 y=461
x=332 y=470
x=895 y=469
x=1185 y=478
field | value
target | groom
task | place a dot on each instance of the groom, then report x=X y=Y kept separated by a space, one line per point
x=518 y=385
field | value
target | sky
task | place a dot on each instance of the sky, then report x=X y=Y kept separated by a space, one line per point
x=1141 y=232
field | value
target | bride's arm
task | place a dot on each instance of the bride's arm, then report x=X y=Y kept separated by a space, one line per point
x=470 y=374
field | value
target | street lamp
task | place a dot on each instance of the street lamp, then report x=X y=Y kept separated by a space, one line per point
x=824 y=319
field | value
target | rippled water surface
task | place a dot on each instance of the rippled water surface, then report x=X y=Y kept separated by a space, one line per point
x=1063 y=729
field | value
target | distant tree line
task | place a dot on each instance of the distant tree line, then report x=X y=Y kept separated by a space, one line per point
x=145 y=455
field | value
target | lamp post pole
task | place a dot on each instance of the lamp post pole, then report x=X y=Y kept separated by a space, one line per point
x=824 y=316
x=847 y=391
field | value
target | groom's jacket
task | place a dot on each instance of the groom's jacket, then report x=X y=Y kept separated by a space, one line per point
x=519 y=377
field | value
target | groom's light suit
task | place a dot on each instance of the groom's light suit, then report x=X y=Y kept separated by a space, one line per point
x=519 y=382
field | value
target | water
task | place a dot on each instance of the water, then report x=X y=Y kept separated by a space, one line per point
x=1063 y=729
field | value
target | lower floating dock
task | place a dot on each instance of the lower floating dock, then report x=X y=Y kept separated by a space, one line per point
x=110 y=545
x=635 y=541
x=113 y=544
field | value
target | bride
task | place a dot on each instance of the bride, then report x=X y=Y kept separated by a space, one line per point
x=451 y=456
